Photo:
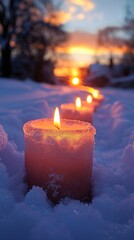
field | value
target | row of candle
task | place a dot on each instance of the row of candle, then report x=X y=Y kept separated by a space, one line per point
x=81 y=110
x=59 y=153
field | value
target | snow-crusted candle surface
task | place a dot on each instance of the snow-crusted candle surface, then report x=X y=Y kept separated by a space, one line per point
x=84 y=113
x=60 y=160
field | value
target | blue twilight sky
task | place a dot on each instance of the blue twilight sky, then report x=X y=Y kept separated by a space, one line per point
x=83 y=19
x=92 y=15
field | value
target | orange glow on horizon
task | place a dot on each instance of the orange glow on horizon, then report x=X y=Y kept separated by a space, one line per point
x=61 y=71
x=74 y=72
x=83 y=56
x=80 y=50
x=86 y=50
x=57 y=118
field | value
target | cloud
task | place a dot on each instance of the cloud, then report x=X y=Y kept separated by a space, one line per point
x=59 y=17
x=80 y=16
x=86 y=5
x=70 y=11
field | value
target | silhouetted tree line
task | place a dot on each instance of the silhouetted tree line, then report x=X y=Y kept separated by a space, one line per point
x=122 y=37
x=28 y=39
x=128 y=57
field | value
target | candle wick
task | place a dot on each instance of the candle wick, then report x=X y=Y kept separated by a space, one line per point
x=57 y=127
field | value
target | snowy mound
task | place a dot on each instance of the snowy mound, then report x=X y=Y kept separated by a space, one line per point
x=28 y=214
x=3 y=138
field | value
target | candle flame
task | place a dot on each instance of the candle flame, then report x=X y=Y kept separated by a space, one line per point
x=57 y=118
x=95 y=94
x=75 y=81
x=78 y=102
x=89 y=99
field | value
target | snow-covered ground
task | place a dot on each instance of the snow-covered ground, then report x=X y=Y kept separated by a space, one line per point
x=29 y=215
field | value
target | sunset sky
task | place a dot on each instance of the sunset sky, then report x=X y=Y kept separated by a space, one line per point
x=92 y=15
x=83 y=19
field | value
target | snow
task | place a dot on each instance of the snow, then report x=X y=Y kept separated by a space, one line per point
x=115 y=76
x=98 y=70
x=128 y=78
x=28 y=214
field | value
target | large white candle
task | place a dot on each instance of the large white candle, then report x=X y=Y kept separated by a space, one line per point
x=59 y=158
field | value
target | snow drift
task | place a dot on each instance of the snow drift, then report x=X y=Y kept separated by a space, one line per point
x=29 y=215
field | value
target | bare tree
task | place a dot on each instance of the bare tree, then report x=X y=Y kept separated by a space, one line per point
x=24 y=25
x=7 y=29
x=128 y=57
x=110 y=37
x=121 y=37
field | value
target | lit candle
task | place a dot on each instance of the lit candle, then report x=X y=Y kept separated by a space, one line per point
x=89 y=99
x=77 y=111
x=75 y=81
x=59 y=157
x=97 y=96
x=91 y=103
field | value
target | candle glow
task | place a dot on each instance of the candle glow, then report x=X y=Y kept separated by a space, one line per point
x=75 y=81
x=95 y=94
x=89 y=99
x=57 y=118
x=78 y=102
x=77 y=111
